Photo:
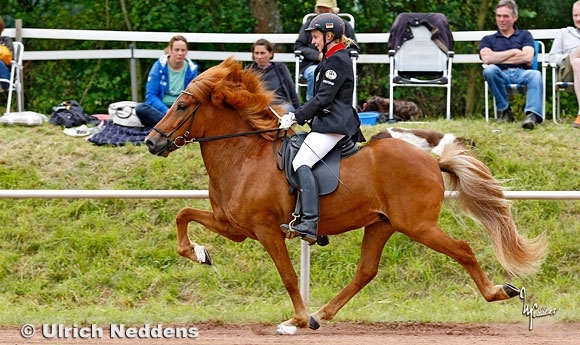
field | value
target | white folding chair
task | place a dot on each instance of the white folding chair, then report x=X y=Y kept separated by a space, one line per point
x=417 y=56
x=299 y=79
x=15 y=81
x=557 y=87
x=538 y=63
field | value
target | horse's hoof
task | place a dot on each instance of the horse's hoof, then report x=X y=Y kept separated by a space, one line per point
x=313 y=324
x=322 y=241
x=286 y=330
x=202 y=255
x=511 y=290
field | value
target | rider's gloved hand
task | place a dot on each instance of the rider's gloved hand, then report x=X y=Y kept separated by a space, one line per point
x=287 y=120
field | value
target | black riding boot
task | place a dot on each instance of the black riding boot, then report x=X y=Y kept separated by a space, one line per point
x=308 y=224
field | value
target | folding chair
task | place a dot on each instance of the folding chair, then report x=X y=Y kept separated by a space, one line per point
x=299 y=79
x=557 y=87
x=422 y=56
x=520 y=88
x=15 y=81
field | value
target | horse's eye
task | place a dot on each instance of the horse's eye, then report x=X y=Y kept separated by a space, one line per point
x=181 y=106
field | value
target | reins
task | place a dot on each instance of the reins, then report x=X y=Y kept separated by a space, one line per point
x=226 y=136
x=182 y=140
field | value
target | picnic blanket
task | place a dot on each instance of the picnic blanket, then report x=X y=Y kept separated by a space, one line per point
x=117 y=135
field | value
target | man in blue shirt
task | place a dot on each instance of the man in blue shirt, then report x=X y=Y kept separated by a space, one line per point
x=508 y=54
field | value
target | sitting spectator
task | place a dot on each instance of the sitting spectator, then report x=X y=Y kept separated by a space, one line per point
x=508 y=54
x=565 y=53
x=5 y=57
x=170 y=75
x=275 y=75
x=312 y=56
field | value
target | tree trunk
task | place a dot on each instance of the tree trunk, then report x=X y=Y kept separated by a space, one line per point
x=267 y=16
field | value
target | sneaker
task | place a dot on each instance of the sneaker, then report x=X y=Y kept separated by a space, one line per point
x=530 y=121
x=506 y=115
x=576 y=123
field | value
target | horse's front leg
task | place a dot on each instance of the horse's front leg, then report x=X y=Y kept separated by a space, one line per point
x=192 y=250
x=374 y=239
x=275 y=245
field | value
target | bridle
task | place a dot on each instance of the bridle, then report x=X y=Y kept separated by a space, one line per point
x=182 y=140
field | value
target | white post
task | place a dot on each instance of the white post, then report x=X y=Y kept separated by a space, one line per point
x=305 y=272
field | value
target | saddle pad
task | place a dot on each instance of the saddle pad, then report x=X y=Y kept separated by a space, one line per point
x=325 y=171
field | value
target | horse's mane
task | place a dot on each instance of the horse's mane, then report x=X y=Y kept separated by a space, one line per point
x=229 y=85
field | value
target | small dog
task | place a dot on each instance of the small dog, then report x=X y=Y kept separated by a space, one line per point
x=404 y=110
x=424 y=139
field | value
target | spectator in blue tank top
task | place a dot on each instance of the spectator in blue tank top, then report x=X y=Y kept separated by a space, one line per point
x=170 y=75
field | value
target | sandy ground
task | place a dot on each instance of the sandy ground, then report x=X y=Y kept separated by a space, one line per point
x=543 y=332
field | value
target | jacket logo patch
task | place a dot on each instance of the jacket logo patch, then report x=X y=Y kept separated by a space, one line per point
x=330 y=74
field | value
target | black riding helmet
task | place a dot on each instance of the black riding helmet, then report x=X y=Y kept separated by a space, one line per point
x=327 y=22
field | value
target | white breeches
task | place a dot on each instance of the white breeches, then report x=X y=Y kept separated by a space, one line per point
x=315 y=147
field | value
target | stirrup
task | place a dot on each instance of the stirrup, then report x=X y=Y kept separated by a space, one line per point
x=287 y=228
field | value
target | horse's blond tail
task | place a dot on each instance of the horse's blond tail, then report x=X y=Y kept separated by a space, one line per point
x=481 y=197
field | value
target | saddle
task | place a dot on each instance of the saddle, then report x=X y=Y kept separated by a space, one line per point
x=326 y=171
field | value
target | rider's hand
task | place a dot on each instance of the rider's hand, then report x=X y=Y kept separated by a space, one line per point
x=287 y=120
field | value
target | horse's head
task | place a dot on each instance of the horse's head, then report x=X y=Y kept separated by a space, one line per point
x=225 y=99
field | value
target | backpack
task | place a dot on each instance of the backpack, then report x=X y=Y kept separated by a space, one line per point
x=70 y=114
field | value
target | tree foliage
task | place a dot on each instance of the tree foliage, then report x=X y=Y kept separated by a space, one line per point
x=96 y=83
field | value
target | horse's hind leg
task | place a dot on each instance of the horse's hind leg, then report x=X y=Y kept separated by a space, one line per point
x=192 y=250
x=434 y=238
x=374 y=239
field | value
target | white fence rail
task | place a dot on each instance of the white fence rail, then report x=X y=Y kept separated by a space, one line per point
x=135 y=36
x=204 y=194
x=20 y=33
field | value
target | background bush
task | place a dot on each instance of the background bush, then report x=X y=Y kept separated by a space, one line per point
x=96 y=83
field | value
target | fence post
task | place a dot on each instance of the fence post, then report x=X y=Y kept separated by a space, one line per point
x=305 y=272
x=133 y=74
x=18 y=27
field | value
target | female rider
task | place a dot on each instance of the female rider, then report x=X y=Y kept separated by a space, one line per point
x=329 y=113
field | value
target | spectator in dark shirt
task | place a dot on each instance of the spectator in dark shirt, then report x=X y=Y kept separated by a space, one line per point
x=508 y=54
x=275 y=74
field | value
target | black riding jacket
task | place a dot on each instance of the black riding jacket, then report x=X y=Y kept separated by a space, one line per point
x=331 y=108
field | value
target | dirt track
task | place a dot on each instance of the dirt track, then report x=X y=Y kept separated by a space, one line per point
x=544 y=332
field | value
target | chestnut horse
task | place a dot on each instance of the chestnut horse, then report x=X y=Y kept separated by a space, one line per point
x=388 y=186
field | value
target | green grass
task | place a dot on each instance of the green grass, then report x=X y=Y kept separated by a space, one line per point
x=115 y=261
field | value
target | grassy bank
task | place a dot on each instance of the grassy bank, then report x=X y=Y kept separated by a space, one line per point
x=115 y=261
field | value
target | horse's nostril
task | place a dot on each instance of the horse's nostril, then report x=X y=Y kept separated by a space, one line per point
x=150 y=145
